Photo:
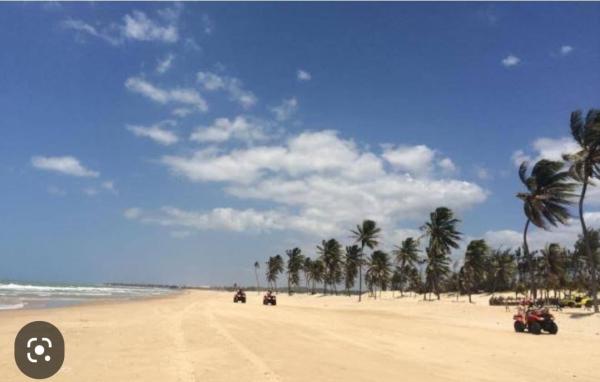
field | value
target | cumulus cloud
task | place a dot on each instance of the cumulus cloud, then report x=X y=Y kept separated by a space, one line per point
x=224 y=129
x=182 y=96
x=320 y=184
x=136 y=26
x=447 y=165
x=67 y=165
x=165 y=63
x=538 y=238
x=231 y=85
x=286 y=109
x=546 y=148
x=109 y=186
x=511 y=60
x=156 y=132
x=413 y=159
x=303 y=75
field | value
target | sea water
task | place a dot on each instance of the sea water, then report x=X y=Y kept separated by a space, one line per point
x=32 y=296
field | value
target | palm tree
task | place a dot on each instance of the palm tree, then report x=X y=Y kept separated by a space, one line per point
x=306 y=267
x=317 y=271
x=545 y=202
x=503 y=267
x=351 y=264
x=367 y=235
x=443 y=237
x=331 y=255
x=294 y=265
x=407 y=255
x=274 y=268
x=474 y=265
x=585 y=165
x=379 y=269
x=256 y=268
x=554 y=267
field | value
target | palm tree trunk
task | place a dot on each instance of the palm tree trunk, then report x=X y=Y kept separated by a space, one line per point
x=257 y=283
x=588 y=250
x=529 y=261
x=362 y=249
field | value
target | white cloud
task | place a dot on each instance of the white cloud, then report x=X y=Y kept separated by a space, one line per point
x=320 y=184
x=286 y=109
x=182 y=112
x=224 y=129
x=65 y=165
x=538 y=238
x=233 y=86
x=447 y=165
x=165 y=63
x=546 y=148
x=511 y=60
x=482 y=173
x=566 y=49
x=155 y=132
x=109 y=186
x=303 y=75
x=416 y=160
x=133 y=213
x=178 y=95
x=136 y=26
x=90 y=191
x=180 y=234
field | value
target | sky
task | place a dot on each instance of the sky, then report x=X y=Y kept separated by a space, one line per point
x=182 y=142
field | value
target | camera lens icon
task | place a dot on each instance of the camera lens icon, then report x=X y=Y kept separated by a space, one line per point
x=39 y=350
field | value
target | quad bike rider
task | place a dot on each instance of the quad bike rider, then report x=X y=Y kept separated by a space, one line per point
x=534 y=320
x=240 y=296
x=269 y=298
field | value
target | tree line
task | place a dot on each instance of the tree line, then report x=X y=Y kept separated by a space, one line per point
x=551 y=187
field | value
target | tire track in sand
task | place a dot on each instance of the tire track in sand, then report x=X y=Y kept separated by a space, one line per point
x=185 y=366
x=257 y=362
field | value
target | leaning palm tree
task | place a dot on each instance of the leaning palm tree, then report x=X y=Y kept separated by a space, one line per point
x=379 y=270
x=294 y=265
x=407 y=255
x=554 y=259
x=585 y=165
x=442 y=237
x=545 y=202
x=367 y=235
x=351 y=264
x=256 y=268
x=473 y=268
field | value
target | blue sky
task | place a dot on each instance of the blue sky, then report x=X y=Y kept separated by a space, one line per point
x=181 y=142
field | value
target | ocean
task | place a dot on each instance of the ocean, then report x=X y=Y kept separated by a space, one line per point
x=34 y=296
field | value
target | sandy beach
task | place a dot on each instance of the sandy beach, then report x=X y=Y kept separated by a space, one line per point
x=203 y=336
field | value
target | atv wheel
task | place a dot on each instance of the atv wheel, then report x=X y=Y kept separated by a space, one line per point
x=243 y=301
x=519 y=327
x=552 y=328
x=535 y=328
x=235 y=300
x=274 y=303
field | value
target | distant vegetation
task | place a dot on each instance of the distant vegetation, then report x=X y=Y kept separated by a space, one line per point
x=422 y=264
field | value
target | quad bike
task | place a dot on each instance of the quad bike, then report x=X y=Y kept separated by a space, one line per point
x=239 y=296
x=269 y=299
x=534 y=320
x=576 y=301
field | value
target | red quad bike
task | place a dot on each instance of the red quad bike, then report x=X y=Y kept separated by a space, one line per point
x=535 y=320
x=269 y=299
x=239 y=296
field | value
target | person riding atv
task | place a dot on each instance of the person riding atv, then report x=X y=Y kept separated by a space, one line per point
x=534 y=320
x=240 y=296
x=269 y=298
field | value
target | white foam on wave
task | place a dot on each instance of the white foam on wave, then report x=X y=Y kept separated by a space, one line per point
x=19 y=305
x=68 y=290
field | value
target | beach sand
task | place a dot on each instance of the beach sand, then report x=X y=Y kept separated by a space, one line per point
x=203 y=336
